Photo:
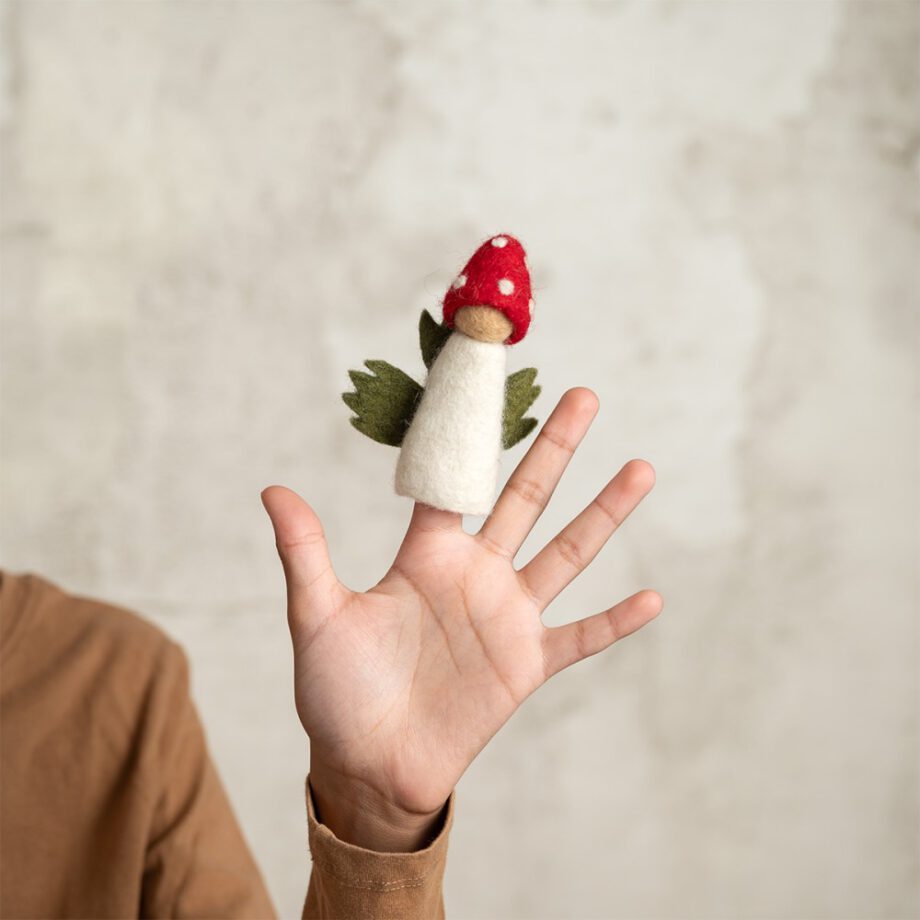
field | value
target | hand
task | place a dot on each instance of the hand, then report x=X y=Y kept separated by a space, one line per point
x=400 y=687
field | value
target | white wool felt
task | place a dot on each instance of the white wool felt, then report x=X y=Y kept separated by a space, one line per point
x=450 y=455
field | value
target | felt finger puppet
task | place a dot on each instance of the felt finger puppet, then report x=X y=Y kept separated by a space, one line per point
x=451 y=431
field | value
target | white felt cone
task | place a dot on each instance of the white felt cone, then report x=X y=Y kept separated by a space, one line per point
x=450 y=454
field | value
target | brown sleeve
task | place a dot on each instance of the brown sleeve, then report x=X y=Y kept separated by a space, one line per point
x=350 y=881
x=197 y=862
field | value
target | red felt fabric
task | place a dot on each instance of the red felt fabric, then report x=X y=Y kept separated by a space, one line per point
x=479 y=284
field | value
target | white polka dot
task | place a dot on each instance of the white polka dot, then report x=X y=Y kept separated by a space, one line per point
x=459 y=281
x=500 y=242
x=506 y=286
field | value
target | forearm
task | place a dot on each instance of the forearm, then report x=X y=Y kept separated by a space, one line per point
x=354 y=880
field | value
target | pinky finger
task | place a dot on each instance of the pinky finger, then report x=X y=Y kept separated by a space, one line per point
x=573 y=642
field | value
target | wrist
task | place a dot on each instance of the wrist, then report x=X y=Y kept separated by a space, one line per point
x=359 y=814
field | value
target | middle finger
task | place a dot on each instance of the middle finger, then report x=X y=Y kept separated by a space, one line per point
x=528 y=490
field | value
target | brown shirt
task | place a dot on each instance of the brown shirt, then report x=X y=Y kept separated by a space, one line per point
x=110 y=805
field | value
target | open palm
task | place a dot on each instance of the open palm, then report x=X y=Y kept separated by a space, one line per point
x=400 y=687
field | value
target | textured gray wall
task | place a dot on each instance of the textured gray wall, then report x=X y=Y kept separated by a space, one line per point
x=212 y=210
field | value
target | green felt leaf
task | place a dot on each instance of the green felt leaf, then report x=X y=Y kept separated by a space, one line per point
x=383 y=401
x=431 y=337
x=520 y=393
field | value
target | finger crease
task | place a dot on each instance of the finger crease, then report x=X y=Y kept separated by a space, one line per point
x=614 y=626
x=559 y=442
x=310 y=539
x=608 y=513
x=581 y=647
x=436 y=528
x=570 y=552
x=531 y=492
x=494 y=547
x=529 y=591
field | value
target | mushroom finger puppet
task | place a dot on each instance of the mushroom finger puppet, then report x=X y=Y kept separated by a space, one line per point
x=452 y=431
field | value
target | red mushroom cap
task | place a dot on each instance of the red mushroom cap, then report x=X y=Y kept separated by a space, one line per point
x=496 y=276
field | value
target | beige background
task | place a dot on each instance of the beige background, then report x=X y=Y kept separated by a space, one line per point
x=212 y=210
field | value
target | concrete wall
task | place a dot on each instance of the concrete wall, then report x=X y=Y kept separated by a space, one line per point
x=212 y=210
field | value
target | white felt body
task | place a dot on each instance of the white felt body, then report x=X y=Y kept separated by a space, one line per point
x=450 y=454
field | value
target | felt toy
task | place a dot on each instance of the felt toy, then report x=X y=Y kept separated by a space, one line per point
x=451 y=431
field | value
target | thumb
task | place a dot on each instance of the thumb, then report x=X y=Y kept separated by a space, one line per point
x=301 y=543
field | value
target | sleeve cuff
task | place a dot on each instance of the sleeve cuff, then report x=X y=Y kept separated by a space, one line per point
x=356 y=867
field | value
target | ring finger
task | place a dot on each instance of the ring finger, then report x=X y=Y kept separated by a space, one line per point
x=570 y=551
